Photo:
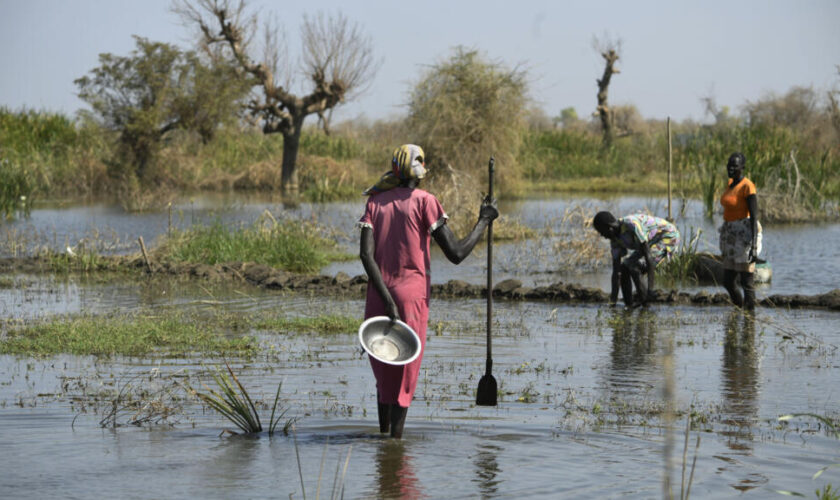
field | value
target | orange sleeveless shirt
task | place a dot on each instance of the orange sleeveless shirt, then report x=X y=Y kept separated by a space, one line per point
x=734 y=200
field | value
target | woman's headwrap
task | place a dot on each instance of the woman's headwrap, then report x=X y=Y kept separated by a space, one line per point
x=738 y=159
x=407 y=162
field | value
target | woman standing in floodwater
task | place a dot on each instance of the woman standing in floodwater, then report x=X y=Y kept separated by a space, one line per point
x=740 y=234
x=396 y=228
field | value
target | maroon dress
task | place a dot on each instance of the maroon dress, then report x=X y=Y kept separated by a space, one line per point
x=402 y=220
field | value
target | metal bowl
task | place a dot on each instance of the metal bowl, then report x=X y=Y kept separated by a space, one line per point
x=394 y=343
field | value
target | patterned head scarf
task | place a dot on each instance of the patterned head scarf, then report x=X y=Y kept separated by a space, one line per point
x=407 y=162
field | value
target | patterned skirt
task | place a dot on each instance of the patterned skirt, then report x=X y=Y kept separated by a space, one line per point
x=735 y=243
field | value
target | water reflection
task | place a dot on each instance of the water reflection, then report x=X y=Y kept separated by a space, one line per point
x=487 y=470
x=633 y=350
x=740 y=378
x=232 y=463
x=395 y=471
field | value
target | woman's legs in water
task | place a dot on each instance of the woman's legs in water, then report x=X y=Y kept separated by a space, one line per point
x=748 y=284
x=729 y=276
x=384 y=411
x=631 y=274
x=747 y=301
x=626 y=287
x=397 y=417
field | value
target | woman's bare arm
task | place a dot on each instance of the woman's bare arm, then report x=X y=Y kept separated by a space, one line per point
x=456 y=251
x=366 y=252
x=752 y=205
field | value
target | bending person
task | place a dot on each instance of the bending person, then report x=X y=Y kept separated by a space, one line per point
x=740 y=234
x=398 y=222
x=648 y=240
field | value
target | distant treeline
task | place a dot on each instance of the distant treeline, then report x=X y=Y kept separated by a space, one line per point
x=792 y=145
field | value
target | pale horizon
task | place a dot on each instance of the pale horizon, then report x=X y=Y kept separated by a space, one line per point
x=673 y=53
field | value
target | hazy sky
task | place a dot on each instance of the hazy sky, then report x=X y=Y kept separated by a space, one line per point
x=674 y=52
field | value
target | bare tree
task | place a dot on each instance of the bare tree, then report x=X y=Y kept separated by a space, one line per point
x=337 y=60
x=833 y=106
x=721 y=114
x=610 y=50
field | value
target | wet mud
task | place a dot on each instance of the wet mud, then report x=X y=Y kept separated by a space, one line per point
x=343 y=285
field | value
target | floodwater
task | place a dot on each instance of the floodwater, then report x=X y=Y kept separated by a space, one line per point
x=805 y=258
x=585 y=387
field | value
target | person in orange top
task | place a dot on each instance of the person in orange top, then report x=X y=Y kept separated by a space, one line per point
x=740 y=234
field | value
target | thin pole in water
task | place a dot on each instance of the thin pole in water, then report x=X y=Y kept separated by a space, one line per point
x=670 y=159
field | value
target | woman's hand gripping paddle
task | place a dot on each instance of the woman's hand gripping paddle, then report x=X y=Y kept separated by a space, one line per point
x=487 y=388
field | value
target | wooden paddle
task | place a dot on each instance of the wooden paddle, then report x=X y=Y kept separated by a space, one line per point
x=487 y=388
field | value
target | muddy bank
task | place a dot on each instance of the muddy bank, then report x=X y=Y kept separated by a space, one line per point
x=344 y=285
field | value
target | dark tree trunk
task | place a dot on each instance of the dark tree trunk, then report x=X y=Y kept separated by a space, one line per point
x=604 y=111
x=291 y=145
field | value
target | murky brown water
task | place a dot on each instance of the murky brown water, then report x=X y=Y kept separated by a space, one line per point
x=581 y=414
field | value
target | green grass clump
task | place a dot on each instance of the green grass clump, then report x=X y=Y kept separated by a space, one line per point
x=234 y=403
x=327 y=324
x=122 y=336
x=680 y=268
x=84 y=259
x=296 y=246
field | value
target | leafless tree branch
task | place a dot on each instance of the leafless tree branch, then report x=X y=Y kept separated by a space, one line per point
x=337 y=59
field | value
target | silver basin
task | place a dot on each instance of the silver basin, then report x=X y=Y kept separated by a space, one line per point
x=394 y=343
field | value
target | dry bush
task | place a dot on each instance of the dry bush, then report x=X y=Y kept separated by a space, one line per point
x=577 y=244
x=797 y=108
x=790 y=197
x=537 y=119
x=627 y=120
x=462 y=111
x=802 y=109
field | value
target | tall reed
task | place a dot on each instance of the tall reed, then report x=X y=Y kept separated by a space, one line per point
x=786 y=169
x=58 y=156
x=16 y=189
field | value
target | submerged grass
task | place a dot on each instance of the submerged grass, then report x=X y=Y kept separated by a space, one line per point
x=162 y=334
x=133 y=335
x=327 y=324
x=832 y=428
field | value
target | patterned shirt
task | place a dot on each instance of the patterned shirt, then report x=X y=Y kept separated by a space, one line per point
x=661 y=236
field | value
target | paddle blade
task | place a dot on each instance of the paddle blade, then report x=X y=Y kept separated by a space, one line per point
x=487 y=391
